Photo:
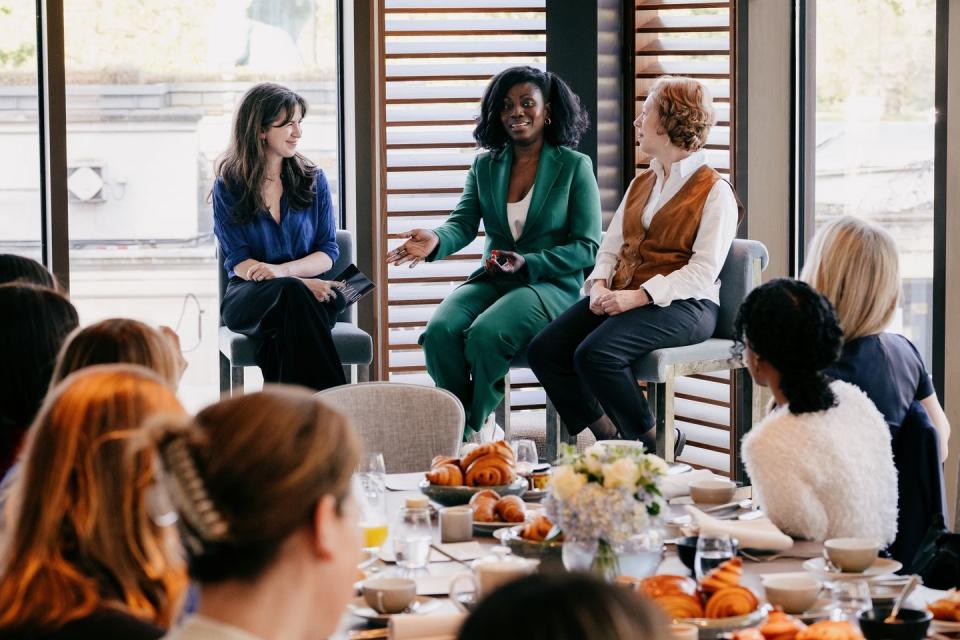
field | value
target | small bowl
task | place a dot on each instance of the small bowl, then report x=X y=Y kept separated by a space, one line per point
x=795 y=594
x=911 y=624
x=712 y=491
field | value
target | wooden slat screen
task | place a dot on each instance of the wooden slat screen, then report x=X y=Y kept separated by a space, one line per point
x=438 y=57
x=694 y=38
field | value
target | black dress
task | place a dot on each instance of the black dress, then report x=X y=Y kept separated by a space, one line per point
x=105 y=623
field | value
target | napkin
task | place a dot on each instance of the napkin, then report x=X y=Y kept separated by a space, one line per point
x=752 y=534
x=404 y=481
x=679 y=485
x=437 y=626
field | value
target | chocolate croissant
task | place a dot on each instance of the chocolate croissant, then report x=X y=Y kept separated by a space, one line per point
x=447 y=475
x=727 y=574
x=680 y=605
x=488 y=471
x=731 y=601
x=511 y=509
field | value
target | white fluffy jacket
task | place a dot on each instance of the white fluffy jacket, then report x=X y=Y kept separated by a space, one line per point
x=827 y=474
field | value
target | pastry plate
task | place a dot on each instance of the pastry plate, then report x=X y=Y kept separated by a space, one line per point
x=944 y=625
x=421 y=605
x=882 y=567
x=534 y=495
x=488 y=528
x=451 y=496
x=527 y=548
x=715 y=627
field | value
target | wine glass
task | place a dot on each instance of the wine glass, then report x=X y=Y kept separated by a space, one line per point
x=526 y=452
x=372 y=463
x=848 y=598
x=712 y=551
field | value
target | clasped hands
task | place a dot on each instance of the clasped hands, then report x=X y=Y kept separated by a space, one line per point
x=323 y=290
x=604 y=302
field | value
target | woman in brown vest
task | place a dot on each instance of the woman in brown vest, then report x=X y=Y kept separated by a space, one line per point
x=655 y=282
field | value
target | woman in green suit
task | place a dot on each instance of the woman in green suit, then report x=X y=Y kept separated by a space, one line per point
x=540 y=207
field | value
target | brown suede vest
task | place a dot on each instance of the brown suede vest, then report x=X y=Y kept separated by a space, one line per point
x=668 y=244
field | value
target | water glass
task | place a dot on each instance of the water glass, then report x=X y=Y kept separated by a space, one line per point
x=848 y=598
x=372 y=463
x=412 y=537
x=526 y=452
x=712 y=551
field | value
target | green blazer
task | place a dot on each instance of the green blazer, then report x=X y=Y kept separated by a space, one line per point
x=562 y=231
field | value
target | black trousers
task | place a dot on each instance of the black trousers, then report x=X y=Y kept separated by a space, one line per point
x=293 y=326
x=584 y=360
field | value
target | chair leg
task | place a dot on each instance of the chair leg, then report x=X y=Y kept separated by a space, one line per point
x=224 y=373
x=663 y=392
x=348 y=373
x=503 y=410
x=236 y=381
x=742 y=391
x=363 y=373
x=554 y=429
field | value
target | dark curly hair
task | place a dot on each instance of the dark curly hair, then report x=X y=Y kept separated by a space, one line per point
x=243 y=167
x=568 y=118
x=794 y=328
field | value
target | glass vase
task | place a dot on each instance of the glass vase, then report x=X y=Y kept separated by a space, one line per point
x=638 y=557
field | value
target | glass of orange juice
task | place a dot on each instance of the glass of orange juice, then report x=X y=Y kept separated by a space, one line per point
x=373 y=509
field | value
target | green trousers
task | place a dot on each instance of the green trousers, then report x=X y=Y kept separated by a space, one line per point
x=472 y=337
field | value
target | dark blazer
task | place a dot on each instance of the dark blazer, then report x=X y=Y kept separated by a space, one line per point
x=562 y=231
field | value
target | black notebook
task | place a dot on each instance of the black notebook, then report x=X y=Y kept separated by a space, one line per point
x=356 y=284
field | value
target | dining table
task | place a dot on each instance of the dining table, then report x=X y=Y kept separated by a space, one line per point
x=434 y=580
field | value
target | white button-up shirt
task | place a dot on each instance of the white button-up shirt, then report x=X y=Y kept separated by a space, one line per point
x=718 y=228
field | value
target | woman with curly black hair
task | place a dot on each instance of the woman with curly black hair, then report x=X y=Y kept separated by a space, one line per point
x=820 y=462
x=540 y=207
x=273 y=217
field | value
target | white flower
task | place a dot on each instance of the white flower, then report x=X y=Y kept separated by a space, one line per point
x=591 y=459
x=622 y=472
x=567 y=482
x=657 y=465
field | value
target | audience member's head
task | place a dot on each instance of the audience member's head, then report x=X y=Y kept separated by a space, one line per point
x=678 y=109
x=14 y=268
x=119 y=340
x=789 y=334
x=81 y=536
x=564 y=607
x=263 y=486
x=33 y=326
x=856 y=266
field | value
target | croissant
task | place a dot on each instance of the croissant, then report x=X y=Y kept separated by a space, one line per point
x=484 y=505
x=537 y=529
x=748 y=634
x=830 y=630
x=439 y=461
x=447 y=475
x=680 y=605
x=731 y=601
x=780 y=626
x=511 y=509
x=947 y=608
x=488 y=471
x=727 y=574
x=655 y=586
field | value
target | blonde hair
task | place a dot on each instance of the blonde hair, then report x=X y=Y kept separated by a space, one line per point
x=856 y=266
x=118 y=340
x=80 y=515
x=686 y=111
x=248 y=472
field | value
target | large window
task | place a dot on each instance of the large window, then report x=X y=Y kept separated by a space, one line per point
x=874 y=153
x=151 y=90
x=20 y=220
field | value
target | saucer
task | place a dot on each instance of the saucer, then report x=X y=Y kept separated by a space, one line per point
x=488 y=528
x=882 y=567
x=420 y=605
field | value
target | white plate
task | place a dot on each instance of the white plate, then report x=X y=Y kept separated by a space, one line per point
x=487 y=528
x=420 y=605
x=882 y=567
x=945 y=625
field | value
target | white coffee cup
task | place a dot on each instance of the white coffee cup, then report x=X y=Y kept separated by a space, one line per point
x=490 y=573
x=795 y=594
x=456 y=524
x=389 y=595
x=852 y=554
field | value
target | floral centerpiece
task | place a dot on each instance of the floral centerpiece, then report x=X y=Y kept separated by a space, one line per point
x=604 y=499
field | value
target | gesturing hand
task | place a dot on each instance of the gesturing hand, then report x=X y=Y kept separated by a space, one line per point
x=616 y=302
x=597 y=291
x=421 y=244
x=504 y=262
x=322 y=289
x=266 y=271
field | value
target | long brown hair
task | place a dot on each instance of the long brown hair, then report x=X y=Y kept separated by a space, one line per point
x=118 y=340
x=81 y=536
x=243 y=167
x=247 y=473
